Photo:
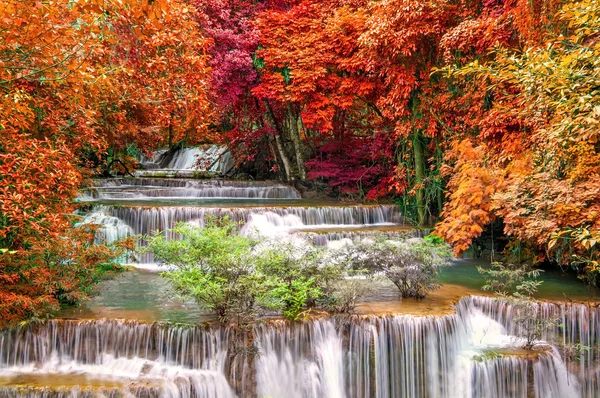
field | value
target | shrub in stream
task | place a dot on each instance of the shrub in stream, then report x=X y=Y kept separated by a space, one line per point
x=517 y=283
x=238 y=277
x=410 y=264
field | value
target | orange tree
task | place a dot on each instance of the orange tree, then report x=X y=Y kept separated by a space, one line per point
x=165 y=86
x=535 y=163
x=67 y=95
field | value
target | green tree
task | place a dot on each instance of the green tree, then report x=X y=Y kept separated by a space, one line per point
x=238 y=277
x=410 y=264
x=518 y=284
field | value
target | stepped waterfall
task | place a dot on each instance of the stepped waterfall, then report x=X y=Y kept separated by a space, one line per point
x=471 y=351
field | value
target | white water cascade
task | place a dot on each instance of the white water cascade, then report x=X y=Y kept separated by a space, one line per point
x=146 y=219
x=124 y=207
x=132 y=359
x=110 y=229
x=180 y=188
x=474 y=352
x=468 y=354
x=212 y=159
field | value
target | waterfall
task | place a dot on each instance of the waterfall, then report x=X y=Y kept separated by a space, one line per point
x=110 y=229
x=467 y=354
x=161 y=360
x=299 y=361
x=573 y=329
x=147 y=219
x=132 y=188
x=502 y=377
x=116 y=222
x=471 y=353
x=327 y=237
x=206 y=158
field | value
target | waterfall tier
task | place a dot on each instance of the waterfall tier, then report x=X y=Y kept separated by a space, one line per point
x=472 y=353
x=144 y=220
x=142 y=188
x=215 y=159
x=129 y=206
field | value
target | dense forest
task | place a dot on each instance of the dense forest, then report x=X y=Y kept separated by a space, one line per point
x=473 y=116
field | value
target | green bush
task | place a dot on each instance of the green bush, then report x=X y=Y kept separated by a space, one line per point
x=238 y=277
x=410 y=264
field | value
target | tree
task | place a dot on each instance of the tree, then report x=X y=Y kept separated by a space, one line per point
x=410 y=265
x=237 y=277
x=535 y=162
x=164 y=86
x=518 y=283
x=68 y=101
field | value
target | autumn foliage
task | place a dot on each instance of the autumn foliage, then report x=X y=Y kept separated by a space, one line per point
x=467 y=112
x=471 y=113
x=80 y=82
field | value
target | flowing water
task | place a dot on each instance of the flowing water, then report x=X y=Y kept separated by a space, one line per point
x=137 y=338
x=470 y=353
x=213 y=159
x=125 y=207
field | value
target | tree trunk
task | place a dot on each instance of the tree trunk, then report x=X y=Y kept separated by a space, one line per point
x=419 y=152
x=298 y=147
x=284 y=157
x=440 y=196
x=270 y=141
x=171 y=132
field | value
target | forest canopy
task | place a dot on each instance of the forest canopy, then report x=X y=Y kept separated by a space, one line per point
x=468 y=114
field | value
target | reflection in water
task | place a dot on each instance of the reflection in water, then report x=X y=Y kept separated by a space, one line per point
x=140 y=295
x=556 y=285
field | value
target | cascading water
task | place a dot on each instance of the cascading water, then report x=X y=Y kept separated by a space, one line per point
x=474 y=352
x=146 y=219
x=136 y=359
x=133 y=188
x=214 y=159
x=109 y=229
x=305 y=360
x=574 y=330
x=131 y=206
x=267 y=220
x=467 y=354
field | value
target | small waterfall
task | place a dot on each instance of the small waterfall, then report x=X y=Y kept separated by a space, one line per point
x=414 y=356
x=110 y=229
x=552 y=379
x=574 y=330
x=186 y=159
x=325 y=238
x=146 y=359
x=207 y=158
x=87 y=342
x=298 y=361
x=467 y=354
x=144 y=220
x=132 y=188
x=501 y=377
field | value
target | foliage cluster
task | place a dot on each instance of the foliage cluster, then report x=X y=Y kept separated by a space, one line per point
x=534 y=163
x=410 y=265
x=52 y=274
x=374 y=98
x=517 y=283
x=238 y=277
x=406 y=98
x=81 y=84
